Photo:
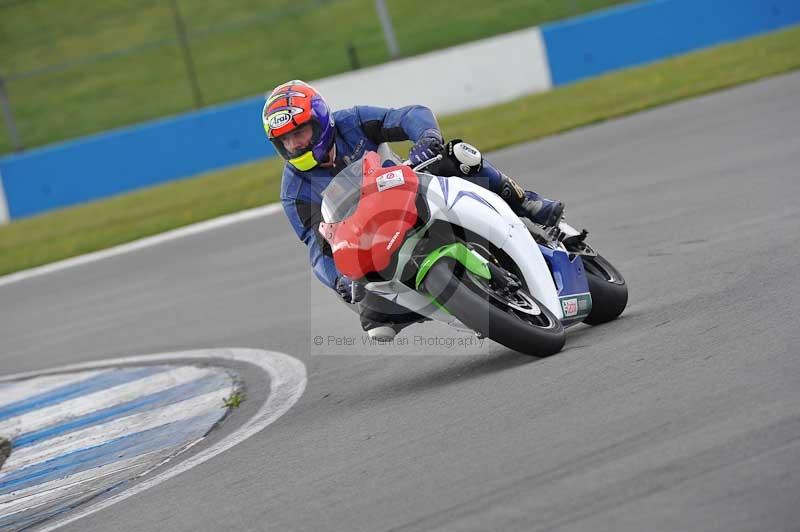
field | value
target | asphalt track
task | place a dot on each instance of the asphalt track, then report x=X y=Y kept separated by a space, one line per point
x=682 y=415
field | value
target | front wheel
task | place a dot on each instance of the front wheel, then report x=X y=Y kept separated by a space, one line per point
x=608 y=289
x=515 y=320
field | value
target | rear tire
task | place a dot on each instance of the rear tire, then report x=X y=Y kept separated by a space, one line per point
x=608 y=289
x=463 y=295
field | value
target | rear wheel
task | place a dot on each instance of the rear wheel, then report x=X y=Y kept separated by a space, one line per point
x=512 y=318
x=608 y=289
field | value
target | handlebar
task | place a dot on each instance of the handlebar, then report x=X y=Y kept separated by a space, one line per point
x=424 y=164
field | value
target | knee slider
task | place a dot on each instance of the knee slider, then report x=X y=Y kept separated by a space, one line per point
x=511 y=192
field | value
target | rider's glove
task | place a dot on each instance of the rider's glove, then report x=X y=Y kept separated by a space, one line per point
x=349 y=290
x=427 y=147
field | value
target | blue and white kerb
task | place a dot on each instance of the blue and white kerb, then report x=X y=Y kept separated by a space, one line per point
x=76 y=436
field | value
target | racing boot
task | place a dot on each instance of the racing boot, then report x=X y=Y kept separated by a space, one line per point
x=529 y=204
x=382 y=333
x=541 y=210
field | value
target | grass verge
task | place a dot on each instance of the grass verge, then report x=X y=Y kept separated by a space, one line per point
x=117 y=62
x=81 y=229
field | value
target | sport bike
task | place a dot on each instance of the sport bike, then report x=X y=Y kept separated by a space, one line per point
x=455 y=252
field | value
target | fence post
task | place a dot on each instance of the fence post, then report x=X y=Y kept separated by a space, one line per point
x=9 y=117
x=355 y=64
x=388 y=30
x=187 y=53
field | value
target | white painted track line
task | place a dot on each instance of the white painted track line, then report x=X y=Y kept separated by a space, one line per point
x=143 y=243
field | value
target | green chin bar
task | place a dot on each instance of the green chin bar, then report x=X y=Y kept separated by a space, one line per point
x=458 y=251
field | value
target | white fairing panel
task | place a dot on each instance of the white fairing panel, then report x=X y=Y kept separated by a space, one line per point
x=473 y=207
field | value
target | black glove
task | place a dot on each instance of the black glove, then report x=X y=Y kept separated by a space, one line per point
x=349 y=290
x=427 y=147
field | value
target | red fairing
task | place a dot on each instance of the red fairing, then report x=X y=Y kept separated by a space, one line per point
x=365 y=241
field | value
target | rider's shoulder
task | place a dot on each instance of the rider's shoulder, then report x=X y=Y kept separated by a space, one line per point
x=347 y=119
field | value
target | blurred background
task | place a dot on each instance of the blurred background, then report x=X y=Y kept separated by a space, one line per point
x=74 y=67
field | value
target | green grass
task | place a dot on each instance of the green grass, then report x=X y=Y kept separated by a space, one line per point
x=234 y=401
x=60 y=234
x=240 y=47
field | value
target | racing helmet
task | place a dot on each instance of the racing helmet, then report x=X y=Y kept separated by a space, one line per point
x=291 y=110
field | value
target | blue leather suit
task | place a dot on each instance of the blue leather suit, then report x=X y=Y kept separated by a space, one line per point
x=358 y=129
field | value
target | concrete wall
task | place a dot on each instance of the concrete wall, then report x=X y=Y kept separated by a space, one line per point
x=455 y=79
x=464 y=77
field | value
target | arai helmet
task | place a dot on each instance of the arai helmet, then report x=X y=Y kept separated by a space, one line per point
x=290 y=110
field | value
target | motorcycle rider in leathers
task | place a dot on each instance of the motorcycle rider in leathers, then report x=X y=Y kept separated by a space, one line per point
x=318 y=143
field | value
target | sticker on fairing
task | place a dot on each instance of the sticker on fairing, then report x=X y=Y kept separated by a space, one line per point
x=390 y=180
x=570 y=307
x=576 y=306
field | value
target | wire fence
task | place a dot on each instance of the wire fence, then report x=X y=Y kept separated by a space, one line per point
x=74 y=67
x=84 y=76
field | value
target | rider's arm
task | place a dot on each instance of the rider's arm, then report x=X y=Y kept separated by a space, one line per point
x=305 y=218
x=390 y=125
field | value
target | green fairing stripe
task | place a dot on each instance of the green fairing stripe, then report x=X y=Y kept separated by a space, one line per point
x=458 y=251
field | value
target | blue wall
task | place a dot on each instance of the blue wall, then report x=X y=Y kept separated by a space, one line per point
x=647 y=31
x=113 y=162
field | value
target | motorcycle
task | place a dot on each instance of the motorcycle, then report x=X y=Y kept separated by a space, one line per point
x=455 y=252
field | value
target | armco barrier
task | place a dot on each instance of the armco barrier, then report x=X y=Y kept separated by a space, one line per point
x=471 y=75
x=646 y=31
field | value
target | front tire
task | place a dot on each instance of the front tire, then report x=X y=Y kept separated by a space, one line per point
x=608 y=289
x=521 y=323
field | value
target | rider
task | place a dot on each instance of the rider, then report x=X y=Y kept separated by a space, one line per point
x=318 y=143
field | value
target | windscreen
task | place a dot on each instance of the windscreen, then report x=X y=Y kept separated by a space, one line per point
x=340 y=198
